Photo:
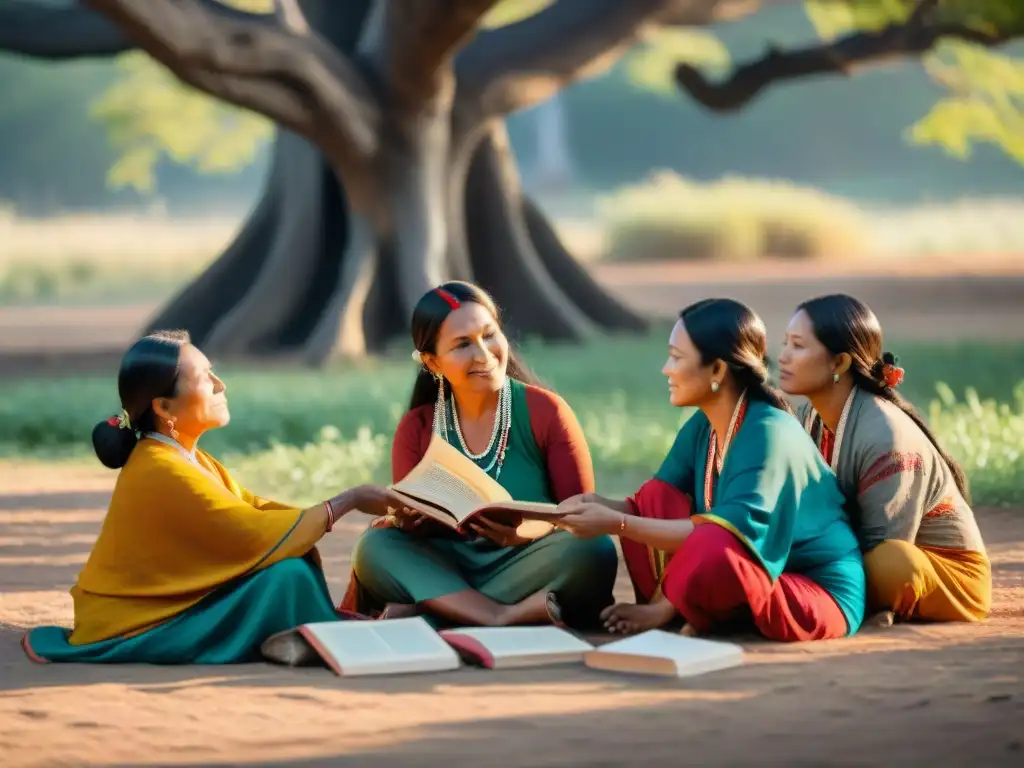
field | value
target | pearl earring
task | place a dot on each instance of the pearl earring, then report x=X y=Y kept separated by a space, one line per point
x=835 y=378
x=714 y=386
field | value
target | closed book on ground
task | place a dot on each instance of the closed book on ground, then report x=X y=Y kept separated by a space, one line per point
x=511 y=647
x=450 y=488
x=657 y=652
x=396 y=646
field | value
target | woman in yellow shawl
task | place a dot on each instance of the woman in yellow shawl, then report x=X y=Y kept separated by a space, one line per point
x=189 y=567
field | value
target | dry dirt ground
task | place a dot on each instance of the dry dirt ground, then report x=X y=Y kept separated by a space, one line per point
x=943 y=694
x=907 y=695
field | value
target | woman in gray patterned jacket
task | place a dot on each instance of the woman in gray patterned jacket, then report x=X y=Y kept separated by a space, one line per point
x=924 y=555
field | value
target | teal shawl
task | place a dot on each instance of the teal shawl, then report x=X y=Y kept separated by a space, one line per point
x=778 y=497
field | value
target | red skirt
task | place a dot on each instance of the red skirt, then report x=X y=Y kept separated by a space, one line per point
x=713 y=579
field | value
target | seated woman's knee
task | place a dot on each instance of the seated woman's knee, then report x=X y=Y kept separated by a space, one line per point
x=703 y=561
x=291 y=570
x=374 y=546
x=893 y=564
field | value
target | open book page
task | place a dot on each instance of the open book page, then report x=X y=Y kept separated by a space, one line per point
x=448 y=480
x=353 y=648
x=449 y=487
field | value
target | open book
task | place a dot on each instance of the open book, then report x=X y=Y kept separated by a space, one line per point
x=449 y=487
x=511 y=647
x=353 y=648
x=657 y=652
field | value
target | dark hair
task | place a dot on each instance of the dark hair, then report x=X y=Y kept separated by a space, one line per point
x=845 y=324
x=430 y=313
x=728 y=330
x=149 y=369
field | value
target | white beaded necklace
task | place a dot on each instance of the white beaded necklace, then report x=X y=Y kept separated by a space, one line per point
x=499 y=414
x=499 y=433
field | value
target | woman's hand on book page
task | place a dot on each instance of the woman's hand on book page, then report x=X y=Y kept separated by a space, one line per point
x=404 y=520
x=410 y=522
x=502 y=535
x=587 y=520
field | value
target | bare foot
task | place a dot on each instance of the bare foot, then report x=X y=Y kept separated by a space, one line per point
x=531 y=610
x=629 y=618
x=881 y=620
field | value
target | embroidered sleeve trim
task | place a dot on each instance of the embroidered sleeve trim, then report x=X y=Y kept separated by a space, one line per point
x=889 y=465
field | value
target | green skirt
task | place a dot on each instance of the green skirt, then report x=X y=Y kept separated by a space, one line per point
x=226 y=627
x=394 y=567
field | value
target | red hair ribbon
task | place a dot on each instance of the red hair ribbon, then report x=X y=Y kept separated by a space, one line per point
x=114 y=421
x=449 y=299
x=892 y=375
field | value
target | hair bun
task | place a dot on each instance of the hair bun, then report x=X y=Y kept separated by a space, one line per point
x=112 y=444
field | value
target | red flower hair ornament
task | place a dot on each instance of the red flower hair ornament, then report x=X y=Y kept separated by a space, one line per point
x=121 y=421
x=892 y=374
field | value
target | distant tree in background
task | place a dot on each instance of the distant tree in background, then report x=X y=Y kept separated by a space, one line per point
x=391 y=168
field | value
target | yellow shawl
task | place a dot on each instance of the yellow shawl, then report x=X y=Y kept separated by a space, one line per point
x=174 y=533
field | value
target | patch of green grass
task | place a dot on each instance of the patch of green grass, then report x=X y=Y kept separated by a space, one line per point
x=83 y=280
x=987 y=437
x=298 y=434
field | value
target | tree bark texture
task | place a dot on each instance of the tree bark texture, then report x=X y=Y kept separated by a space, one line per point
x=391 y=169
x=312 y=276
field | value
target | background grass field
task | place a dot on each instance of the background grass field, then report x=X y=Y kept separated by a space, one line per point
x=299 y=435
x=82 y=259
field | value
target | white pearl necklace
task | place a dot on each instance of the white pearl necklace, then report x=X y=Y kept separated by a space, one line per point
x=499 y=433
x=498 y=415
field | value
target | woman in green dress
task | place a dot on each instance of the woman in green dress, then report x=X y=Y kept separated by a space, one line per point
x=472 y=390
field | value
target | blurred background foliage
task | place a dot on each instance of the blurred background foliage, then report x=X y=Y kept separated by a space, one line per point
x=131 y=134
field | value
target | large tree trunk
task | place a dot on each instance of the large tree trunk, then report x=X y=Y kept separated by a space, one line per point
x=313 y=274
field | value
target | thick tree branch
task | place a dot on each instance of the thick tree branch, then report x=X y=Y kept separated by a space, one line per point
x=915 y=37
x=523 y=64
x=290 y=16
x=298 y=80
x=55 y=32
x=527 y=62
x=71 y=31
x=418 y=43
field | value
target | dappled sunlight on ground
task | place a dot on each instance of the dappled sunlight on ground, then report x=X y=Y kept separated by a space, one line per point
x=958 y=688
